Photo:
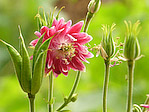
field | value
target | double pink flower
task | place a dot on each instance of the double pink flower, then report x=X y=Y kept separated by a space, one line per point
x=66 y=48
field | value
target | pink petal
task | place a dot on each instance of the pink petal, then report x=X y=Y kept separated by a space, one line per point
x=66 y=27
x=143 y=105
x=56 y=66
x=82 y=38
x=34 y=42
x=50 y=62
x=89 y=55
x=51 y=31
x=76 y=28
x=77 y=64
x=81 y=49
x=81 y=57
x=43 y=29
x=60 y=24
x=31 y=57
x=37 y=33
x=55 y=22
x=55 y=74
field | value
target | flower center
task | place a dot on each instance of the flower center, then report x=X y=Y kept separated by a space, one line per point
x=67 y=50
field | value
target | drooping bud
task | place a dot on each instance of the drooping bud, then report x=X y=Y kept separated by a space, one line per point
x=107 y=43
x=131 y=44
x=94 y=6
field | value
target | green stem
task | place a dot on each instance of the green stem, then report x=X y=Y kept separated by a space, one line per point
x=106 y=81
x=50 y=104
x=31 y=99
x=131 y=64
x=87 y=21
x=72 y=91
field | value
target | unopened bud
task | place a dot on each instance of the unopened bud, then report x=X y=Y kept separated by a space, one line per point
x=107 y=43
x=94 y=6
x=74 y=97
x=131 y=44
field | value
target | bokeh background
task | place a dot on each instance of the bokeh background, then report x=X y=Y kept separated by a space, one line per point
x=22 y=12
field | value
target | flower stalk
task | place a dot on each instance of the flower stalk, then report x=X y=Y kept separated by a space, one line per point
x=106 y=81
x=32 y=102
x=107 y=50
x=131 y=65
x=69 y=99
x=131 y=54
x=50 y=104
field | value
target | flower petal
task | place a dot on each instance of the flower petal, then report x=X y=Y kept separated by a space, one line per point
x=76 y=28
x=82 y=38
x=77 y=64
x=143 y=105
x=34 y=42
x=37 y=33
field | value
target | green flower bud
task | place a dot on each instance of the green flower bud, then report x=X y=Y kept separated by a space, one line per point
x=94 y=6
x=131 y=44
x=107 y=43
x=74 y=97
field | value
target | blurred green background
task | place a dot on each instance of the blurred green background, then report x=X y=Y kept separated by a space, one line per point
x=22 y=12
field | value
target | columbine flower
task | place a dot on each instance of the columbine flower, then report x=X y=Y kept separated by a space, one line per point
x=66 y=48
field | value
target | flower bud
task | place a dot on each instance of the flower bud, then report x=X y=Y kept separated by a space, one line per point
x=94 y=6
x=74 y=97
x=107 y=43
x=131 y=44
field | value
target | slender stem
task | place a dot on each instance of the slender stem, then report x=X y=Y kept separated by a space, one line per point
x=50 y=104
x=87 y=21
x=72 y=91
x=31 y=99
x=131 y=64
x=106 y=81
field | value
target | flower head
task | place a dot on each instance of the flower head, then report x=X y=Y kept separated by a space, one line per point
x=66 y=50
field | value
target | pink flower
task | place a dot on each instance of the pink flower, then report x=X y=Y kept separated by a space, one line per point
x=143 y=105
x=66 y=50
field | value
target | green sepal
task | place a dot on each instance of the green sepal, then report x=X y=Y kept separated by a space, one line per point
x=16 y=58
x=131 y=44
x=36 y=49
x=107 y=42
x=38 y=73
x=26 y=73
x=43 y=47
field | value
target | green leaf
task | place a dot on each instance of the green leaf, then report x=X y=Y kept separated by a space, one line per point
x=26 y=73
x=38 y=73
x=16 y=58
